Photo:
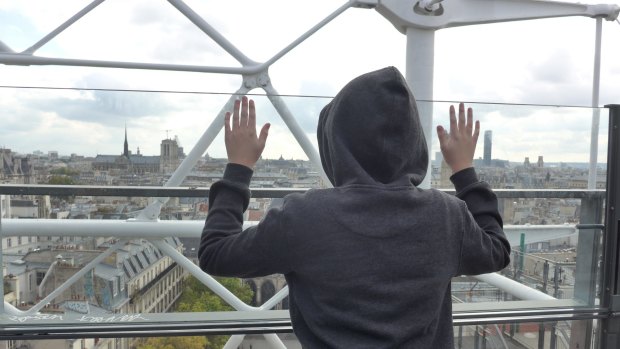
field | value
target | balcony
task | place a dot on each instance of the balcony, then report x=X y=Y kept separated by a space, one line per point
x=107 y=259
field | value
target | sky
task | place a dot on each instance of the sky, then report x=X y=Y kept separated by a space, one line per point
x=530 y=82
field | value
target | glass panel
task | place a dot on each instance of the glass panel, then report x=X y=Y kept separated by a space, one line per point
x=551 y=257
x=529 y=335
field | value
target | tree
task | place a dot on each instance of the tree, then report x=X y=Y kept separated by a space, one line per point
x=64 y=171
x=197 y=297
x=174 y=343
x=61 y=179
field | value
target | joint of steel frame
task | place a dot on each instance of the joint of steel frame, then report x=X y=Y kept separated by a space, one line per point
x=364 y=3
x=256 y=80
x=434 y=14
x=151 y=212
x=5 y=48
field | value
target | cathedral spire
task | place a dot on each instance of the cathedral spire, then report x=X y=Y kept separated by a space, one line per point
x=126 y=147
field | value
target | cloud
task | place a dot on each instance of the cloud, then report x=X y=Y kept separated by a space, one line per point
x=545 y=62
x=103 y=106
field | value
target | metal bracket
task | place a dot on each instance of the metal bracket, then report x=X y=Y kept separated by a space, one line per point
x=365 y=3
x=253 y=81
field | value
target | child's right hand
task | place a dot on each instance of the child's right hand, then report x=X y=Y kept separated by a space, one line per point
x=458 y=146
x=243 y=145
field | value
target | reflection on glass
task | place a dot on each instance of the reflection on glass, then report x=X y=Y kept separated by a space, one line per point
x=539 y=335
x=140 y=139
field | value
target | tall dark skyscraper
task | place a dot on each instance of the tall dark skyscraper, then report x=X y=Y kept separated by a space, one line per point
x=488 y=145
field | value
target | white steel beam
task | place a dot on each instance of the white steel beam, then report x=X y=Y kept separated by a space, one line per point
x=147 y=229
x=296 y=130
x=152 y=211
x=420 y=26
x=512 y=287
x=596 y=112
x=63 y=26
x=456 y=13
x=75 y=277
x=211 y=32
x=25 y=59
x=308 y=33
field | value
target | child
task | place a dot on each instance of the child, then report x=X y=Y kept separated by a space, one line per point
x=369 y=262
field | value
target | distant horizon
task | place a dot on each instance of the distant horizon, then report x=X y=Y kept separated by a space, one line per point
x=577 y=164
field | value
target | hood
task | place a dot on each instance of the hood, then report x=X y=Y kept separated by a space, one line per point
x=370 y=133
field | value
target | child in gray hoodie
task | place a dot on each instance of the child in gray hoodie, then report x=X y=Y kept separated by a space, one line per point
x=368 y=262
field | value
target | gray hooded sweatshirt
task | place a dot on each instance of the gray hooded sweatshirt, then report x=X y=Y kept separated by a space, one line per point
x=368 y=262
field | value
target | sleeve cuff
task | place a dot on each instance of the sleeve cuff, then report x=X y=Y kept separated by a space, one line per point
x=464 y=178
x=238 y=174
x=237 y=179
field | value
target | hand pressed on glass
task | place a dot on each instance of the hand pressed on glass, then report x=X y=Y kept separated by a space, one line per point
x=243 y=145
x=458 y=146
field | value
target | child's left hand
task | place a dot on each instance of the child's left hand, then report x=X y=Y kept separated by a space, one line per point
x=242 y=144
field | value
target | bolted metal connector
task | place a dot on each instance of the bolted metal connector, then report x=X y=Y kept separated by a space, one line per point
x=257 y=80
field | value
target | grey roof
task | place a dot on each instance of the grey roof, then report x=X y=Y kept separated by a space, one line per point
x=107 y=272
x=106 y=158
x=139 y=159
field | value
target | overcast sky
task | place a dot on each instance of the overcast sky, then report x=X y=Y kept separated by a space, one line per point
x=546 y=62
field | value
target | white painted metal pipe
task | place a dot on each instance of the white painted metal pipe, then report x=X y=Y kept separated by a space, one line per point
x=75 y=277
x=133 y=229
x=296 y=130
x=277 y=298
x=419 y=75
x=274 y=341
x=48 y=273
x=24 y=59
x=596 y=112
x=122 y=229
x=234 y=341
x=11 y=310
x=203 y=277
x=153 y=210
x=307 y=34
x=512 y=287
x=63 y=26
x=160 y=229
x=204 y=142
x=211 y=32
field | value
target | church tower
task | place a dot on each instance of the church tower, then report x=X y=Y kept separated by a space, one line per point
x=126 y=147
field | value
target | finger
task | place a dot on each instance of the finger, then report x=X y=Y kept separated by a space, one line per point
x=244 y=111
x=476 y=132
x=227 y=129
x=441 y=135
x=235 y=116
x=470 y=120
x=461 y=124
x=252 y=116
x=453 y=127
x=262 y=138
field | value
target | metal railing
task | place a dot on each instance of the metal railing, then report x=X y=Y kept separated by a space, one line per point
x=261 y=320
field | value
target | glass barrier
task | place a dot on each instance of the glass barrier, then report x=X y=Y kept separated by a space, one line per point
x=95 y=258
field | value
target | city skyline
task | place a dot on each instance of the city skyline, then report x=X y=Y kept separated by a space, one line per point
x=494 y=65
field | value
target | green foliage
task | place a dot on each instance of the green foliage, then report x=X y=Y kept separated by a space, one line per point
x=197 y=297
x=106 y=209
x=173 y=343
x=64 y=171
x=61 y=180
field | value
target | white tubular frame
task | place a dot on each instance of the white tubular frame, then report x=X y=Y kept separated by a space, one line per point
x=420 y=33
